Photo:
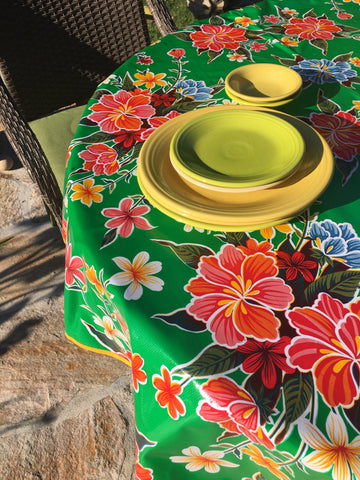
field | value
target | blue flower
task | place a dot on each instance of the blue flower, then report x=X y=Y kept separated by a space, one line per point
x=337 y=241
x=196 y=90
x=322 y=71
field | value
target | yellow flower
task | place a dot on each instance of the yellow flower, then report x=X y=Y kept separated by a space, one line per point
x=91 y=276
x=196 y=460
x=338 y=452
x=257 y=457
x=150 y=79
x=356 y=104
x=355 y=61
x=86 y=192
x=288 y=42
x=269 y=232
x=245 y=21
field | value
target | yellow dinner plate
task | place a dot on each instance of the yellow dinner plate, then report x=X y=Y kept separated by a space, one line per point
x=263 y=82
x=257 y=209
x=237 y=148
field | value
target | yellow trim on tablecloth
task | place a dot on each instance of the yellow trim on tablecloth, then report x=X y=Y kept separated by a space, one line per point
x=98 y=350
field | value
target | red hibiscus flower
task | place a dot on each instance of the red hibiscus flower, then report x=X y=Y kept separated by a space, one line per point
x=344 y=15
x=165 y=99
x=168 y=393
x=155 y=122
x=100 y=159
x=233 y=408
x=128 y=139
x=266 y=357
x=139 y=376
x=72 y=267
x=121 y=110
x=126 y=217
x=142 y=473
x=217 y=37
x=177 y=52
x=296 y=265
x=310 y=28
x=328 y=345
x=235 y=294
x=341 y=131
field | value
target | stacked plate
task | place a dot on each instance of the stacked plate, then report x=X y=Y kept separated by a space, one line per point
x=234 y=168
x=263 y=84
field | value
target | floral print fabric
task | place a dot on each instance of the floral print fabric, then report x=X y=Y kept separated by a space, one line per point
x=244 y=347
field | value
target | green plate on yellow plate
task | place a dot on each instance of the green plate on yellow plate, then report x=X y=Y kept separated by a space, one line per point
x=237 y=148
x=165 y=189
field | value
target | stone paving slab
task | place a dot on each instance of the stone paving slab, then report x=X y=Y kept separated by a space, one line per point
x=65 y=413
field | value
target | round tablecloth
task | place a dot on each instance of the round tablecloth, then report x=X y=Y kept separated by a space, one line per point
x=244 y=346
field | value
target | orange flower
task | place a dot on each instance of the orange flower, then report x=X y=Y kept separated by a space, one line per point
x=245 y=21
x=150 y=79
x=252 y=247
x=139 y=376
x=288 y=42
x=355 y=61
x=257 y=457
x=91 y=276
x=167 y=396
x=87 y=192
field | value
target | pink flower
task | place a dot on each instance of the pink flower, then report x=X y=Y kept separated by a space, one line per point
x=122 y=110
x=72 y=267
x=100 y=159
x=126 y=217
x=235 y=295
x=256 y=46
x=271 y=18
x=341 y=131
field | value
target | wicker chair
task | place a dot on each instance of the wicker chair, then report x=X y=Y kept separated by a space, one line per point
x=53 y=54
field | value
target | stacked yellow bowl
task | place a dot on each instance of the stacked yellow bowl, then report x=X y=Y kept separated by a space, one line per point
x=263 y=84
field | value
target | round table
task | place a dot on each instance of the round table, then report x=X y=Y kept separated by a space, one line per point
x=244 y=345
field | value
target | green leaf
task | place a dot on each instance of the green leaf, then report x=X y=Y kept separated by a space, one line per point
x=99 y=93
x=286 y=61
x=212 y=55
x=216 y=20
x=182 y=320
x=142 y=441
x=353 y=414
x=340 y=285
x=245 y=52
x=213 y=360
x=354 y=79
x=182 y=36
x=277 y=29
x=189 y=253
x=98 y=137
x=298 y=391
x=348 y=28
x=325 y=105
x=103 y=339
x=345 y=57
x=235 y=238
x=310 y=13
x=128 y=83
x=109 y=237
x=346 y=169
x=321 y=44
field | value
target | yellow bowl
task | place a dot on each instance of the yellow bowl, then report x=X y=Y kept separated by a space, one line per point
x=278 y=103
x=263 y=82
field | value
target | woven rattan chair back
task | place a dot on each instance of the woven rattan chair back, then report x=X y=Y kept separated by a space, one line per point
x=53 y=53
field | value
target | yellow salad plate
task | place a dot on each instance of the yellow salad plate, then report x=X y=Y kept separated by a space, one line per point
x=263 y=82
x=165 y=189
x=236 y=148
x=241 y=101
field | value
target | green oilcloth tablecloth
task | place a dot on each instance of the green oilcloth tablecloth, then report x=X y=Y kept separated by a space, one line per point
x=244 y=346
